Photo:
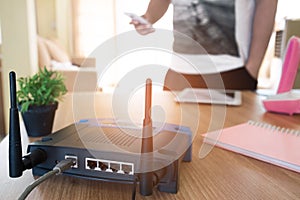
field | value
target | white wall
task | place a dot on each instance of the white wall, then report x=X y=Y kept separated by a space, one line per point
x=288 y=9
x=19 y=48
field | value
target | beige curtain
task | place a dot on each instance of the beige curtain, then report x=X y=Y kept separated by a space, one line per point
x=93 y=23
x=75 y=28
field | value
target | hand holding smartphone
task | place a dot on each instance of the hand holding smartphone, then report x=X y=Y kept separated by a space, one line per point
x=137 y=18
x=141 y=25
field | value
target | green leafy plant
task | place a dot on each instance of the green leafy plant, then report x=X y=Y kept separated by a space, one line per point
x=43 y=88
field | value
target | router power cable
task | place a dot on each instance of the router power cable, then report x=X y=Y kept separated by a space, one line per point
x=58 y=169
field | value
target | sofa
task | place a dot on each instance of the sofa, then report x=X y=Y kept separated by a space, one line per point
x=79 y=73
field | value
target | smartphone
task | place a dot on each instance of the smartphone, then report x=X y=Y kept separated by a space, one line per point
x=137 y=18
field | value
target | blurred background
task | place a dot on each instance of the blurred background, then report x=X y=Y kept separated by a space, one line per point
x=75 y=28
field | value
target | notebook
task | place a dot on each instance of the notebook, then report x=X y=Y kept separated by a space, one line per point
x=272 y=144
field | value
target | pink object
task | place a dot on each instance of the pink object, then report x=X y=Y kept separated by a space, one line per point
x=290 y=65
x=272 y=144
x=286 y=101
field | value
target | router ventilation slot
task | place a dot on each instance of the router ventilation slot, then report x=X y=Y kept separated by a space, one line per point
x=124 y=137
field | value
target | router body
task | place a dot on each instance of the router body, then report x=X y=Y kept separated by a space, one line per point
x=110 y=151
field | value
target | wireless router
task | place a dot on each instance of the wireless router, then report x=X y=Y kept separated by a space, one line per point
x=107 y=150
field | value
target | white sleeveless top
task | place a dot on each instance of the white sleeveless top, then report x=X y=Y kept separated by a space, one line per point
x=211 y=35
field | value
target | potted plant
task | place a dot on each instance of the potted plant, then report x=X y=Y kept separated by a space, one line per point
x=38 y=98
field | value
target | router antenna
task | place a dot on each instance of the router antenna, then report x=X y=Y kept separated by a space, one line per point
x=148 y=102
x=15 y=146
x=147 y=140
x=146 y=178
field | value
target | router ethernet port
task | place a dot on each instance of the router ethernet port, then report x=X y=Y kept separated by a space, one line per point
x=103 y=166
x=91 y=164
x=115 y=167
x=127 y=168
x=75 y=165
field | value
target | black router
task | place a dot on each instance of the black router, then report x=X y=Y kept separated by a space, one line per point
x=109 y=151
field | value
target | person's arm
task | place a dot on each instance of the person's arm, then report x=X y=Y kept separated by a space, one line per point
x=263 y=24
x=156 y=9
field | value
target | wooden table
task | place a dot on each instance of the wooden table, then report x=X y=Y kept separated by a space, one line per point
x=219 y=175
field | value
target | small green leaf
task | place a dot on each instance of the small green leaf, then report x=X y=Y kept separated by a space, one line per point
x=42 y=88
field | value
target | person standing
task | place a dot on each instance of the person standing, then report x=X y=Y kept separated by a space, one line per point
x=233 y=33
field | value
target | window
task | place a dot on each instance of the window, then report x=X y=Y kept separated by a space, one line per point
x=96 y=21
